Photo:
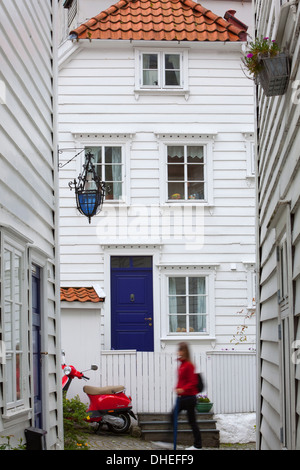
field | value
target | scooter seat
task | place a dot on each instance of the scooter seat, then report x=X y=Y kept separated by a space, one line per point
x=103 y=390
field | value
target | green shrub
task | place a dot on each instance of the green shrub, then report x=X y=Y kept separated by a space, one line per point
x=76 y=427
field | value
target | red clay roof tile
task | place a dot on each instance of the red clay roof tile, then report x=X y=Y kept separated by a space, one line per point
x=79 y=294
x=158 y=20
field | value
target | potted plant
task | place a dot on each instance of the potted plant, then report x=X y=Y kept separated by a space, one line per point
x=203 y=404
x=268 y=65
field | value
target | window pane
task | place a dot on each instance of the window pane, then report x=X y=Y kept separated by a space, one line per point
x=176 y=191
x=9 y=378
x=195 y=154
x=196 y=190
x=177 y=323
x=177 y=285
x=195 y=173
x=142 y=261
x=8 y=324
x=197 y=304
x=7 y=274
x=150 y=61
x=177 y=304
x=197 y=285
x=172 y=77
x=17 y=278
x=176 y=172
x=113 y=155
x=172 y=61
x=172 y=69
x=197 y=323
x=175 y=154
x=150 y=69
x=120 y=261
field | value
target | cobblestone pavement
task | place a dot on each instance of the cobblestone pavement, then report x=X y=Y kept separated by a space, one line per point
x=108 y=441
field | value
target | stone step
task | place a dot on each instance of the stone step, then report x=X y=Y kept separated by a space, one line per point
x=157 y=427
x=209 y=437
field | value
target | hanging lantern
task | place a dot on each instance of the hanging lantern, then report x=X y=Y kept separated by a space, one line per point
x=89 y=189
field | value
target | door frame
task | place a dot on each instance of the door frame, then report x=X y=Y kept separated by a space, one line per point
x=40 y=259
x=131 y=250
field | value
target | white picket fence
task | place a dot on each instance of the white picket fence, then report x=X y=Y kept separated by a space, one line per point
x=149 y=377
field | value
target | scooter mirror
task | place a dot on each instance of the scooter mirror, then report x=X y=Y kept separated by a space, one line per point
x=94 y=367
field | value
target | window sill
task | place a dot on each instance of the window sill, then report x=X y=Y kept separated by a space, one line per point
x=161 y=91
x=190 y=336
x=12 y=416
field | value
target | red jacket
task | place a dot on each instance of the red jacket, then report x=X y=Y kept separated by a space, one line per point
x=187 y=379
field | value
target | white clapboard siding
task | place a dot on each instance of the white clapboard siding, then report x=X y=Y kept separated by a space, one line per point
x=279 y=181
x=150 y=378
x=28 y=180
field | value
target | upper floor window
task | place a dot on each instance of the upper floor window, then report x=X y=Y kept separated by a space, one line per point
x=109 y=168
x=186 y=172
x=161 y=69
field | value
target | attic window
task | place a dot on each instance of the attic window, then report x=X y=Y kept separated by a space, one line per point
x=72 y=10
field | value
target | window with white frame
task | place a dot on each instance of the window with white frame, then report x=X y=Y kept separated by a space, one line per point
x=187 y=304
x=13 y=314
x=186 y=170
x=108 y=162
x=161 y=69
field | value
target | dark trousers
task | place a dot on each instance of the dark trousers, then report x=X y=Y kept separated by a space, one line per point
x=188 y=403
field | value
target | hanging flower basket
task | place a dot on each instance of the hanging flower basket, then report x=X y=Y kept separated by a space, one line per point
x=269 y=67
x=274 y=76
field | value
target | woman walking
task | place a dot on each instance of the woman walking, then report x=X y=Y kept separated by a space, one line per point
x=187 y=390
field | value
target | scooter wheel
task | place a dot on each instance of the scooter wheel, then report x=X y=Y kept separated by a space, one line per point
x=121 y=429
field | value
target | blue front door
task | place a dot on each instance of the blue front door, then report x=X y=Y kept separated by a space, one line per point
x=132 y=303
x=36 y=346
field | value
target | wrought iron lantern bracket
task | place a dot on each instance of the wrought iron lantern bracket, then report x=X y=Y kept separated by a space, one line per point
x=89 y=188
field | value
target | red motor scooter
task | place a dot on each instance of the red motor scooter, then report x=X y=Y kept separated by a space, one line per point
x=108 y=405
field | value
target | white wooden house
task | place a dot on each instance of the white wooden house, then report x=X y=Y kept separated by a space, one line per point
x=30 y=375
x=155 y=90
x=278 y=241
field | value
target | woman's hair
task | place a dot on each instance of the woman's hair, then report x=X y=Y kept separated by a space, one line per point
x=184 y=348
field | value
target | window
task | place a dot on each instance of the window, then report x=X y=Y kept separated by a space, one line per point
x=12 y=324
x=186 y=172
x=108 y=165
x=283 y=270
x=161 y=70
x=187 y=302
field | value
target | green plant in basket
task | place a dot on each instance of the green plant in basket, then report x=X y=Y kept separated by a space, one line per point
x=258 y=49
x=203 y=399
